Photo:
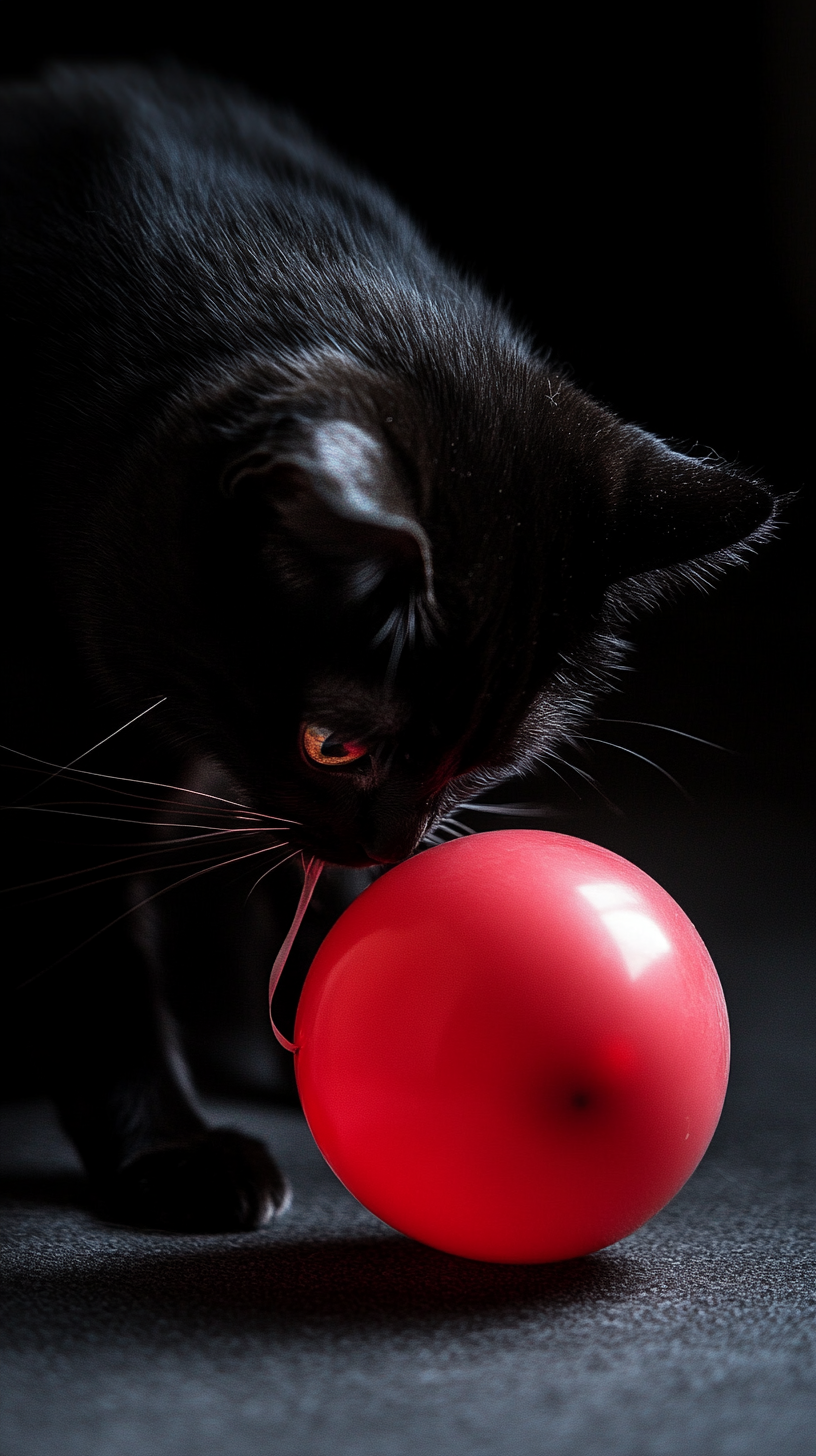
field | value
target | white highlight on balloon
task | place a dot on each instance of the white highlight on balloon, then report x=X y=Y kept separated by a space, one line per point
x=638 y=937
x=608 y=896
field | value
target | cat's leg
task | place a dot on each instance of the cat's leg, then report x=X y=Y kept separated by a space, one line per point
x=170 y=1169
x=124 y=1097
x=115 y=1067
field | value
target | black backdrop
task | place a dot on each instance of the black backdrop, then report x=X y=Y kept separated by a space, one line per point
x=646 y=199
x=644 y=196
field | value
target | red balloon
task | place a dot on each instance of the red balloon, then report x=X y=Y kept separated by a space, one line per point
x=513 y=1047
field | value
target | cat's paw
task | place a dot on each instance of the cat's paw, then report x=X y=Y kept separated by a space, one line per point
x=220 y=1182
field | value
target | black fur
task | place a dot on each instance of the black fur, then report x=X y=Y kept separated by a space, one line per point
x=270 y=461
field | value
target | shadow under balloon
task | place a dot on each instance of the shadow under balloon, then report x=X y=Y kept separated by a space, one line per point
x=271 y=1276
x=385 y=1277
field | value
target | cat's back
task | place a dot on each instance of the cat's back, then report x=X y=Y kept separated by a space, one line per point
x=142 y=195
x=161 y=228
x=108 y=125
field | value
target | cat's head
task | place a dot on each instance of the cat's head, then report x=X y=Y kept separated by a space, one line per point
x=369 y=594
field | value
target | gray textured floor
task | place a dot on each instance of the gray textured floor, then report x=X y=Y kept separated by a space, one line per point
x=331 y=1334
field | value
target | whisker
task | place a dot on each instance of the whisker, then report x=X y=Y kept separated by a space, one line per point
x=216 y=798
x=544 y=761
x=118 y=819
x=64 y=767
x=225 y=820
x=608 y=744
x=156 y=800
x=524 y=810
x=212 y=861
x=638 y=723
x=451 y=822
x=565 y=763
x=451 y=827
x=158 y=848
x=431 y=836
x=150 y=783
x=588 y=778
x=285 y=860
x=140 y=906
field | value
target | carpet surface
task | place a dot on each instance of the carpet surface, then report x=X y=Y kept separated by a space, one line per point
x=329 y=1333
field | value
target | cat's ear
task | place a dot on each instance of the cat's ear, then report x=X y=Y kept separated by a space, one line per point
x=337 y=491
x=668 y=508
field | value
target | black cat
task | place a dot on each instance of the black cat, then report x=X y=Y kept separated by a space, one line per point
x=296 y=497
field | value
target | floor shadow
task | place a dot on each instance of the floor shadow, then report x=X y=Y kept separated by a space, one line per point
x=351 y=1280
x=365 y=1278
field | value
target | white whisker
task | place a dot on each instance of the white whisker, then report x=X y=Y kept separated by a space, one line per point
x=85 y=778
x=565 y=763
x=211 y=861
x=662 y=728
x=237 y=859
x=276 y=866
x=117 y=819
x=609 y=744
x=161 y=847
x=524 y=810
x=588 y=778
x=64 y=767
x=150 y=783
x=451 y=822
x=452 y=828
x=545 y=763
x=151 y=804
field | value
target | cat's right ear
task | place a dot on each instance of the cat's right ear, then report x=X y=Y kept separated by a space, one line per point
x=335 y=489
x=667 y=509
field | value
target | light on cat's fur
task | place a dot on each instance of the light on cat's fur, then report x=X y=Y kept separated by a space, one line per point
x=513 y=1047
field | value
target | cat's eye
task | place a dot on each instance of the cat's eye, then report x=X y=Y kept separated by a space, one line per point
x=328 y=749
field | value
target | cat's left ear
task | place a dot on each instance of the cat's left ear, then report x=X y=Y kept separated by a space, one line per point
x=336 y=490
x=668 y=509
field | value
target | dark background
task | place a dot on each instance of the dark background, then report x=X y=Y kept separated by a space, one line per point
x=642 y=195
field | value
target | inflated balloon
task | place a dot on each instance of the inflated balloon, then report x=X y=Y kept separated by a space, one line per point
x=513 y=1047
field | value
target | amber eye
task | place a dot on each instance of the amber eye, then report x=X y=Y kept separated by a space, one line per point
x=323 y=746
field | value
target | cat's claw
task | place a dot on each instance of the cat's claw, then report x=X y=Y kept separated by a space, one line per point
x=220 y=1182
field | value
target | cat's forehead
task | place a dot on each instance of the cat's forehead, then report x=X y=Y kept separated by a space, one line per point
x=352 y=705
x=480 y=397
